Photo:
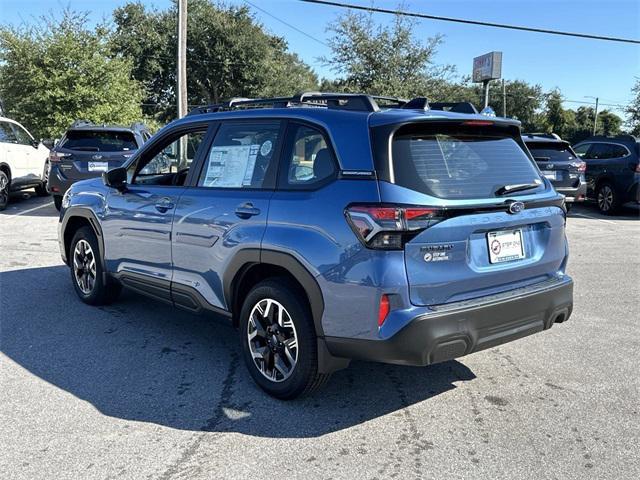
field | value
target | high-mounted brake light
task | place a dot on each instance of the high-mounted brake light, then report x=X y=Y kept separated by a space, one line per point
x=389 y=227
x=477 y=123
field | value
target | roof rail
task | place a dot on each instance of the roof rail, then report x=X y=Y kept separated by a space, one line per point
x=339 y=101
x=458 y=107
x=138 y=126
x=418 y=103
x=81 y=123
x=553 y=136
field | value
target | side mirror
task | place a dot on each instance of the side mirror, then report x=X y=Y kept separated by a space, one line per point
x=116 y=178
x=35 y=143
x=47 y=142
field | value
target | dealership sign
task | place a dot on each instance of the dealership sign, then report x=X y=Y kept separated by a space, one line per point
x=487 y=67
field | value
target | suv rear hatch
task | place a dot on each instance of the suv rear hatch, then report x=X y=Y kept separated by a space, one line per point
x=86 y=153
x=557 y=162
x=477 y=217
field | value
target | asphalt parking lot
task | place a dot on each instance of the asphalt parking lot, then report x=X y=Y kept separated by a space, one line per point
x=140 y=390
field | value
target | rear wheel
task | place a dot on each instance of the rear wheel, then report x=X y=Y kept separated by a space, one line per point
x=278 y=340
x=86 y=270
x=4 y=190
x=607 y=198
x=57 y=202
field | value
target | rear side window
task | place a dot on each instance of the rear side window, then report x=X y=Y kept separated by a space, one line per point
x=99 y=141
x=550 y=152
x=6 y=133
x=309 y=159
x=460 y=165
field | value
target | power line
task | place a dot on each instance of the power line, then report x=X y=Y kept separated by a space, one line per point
x=286 y=23
x=473 y=22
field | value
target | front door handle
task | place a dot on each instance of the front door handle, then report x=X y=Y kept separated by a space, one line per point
x=247 y=210
x=164 y=204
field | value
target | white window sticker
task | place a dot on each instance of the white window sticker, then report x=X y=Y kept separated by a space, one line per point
x=231 y=166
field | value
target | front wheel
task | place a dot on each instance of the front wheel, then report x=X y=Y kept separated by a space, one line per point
x=278 y=340
x=86 y=270
x=4 y=190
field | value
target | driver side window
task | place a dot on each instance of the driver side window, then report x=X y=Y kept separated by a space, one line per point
x=170 y=165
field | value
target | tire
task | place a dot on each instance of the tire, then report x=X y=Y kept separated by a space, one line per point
x=607 y=199
x=86 y=270
x=4 y=190
x=568 y=206
x=41 y=190
x=264 y=340
x=57 y=202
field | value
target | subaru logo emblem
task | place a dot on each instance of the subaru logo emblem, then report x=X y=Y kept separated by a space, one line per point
x=516 y=207
x=97 y=157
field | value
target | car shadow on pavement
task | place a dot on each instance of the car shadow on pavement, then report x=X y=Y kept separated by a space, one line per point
x=144 y=361
x=29 y=202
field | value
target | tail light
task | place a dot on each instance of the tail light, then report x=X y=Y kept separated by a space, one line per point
x=580 y=166
x=389 y=227
x=55 y=157
x=638 y=168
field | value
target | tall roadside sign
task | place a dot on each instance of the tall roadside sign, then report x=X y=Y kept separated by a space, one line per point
x=487 y=67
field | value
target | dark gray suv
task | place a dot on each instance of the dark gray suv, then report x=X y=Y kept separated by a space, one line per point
x=86 y=150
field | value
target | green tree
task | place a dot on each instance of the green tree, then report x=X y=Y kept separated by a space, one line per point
x=633 y=110
x=523 y=102
x=557 y=119
x=59 y=71
x=229 y=54
x=384 y=60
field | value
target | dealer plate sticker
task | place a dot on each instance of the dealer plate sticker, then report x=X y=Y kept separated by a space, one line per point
x=550 y=174
x=505 y=245
x=98 y=166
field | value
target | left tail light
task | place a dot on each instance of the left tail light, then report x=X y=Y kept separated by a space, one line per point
x=55 y=157
x=389 y=227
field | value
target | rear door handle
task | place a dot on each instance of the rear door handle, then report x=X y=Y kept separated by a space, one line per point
x=247 y=210
x=164 y=204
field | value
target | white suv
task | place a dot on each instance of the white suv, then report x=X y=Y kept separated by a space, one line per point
x=23 y=161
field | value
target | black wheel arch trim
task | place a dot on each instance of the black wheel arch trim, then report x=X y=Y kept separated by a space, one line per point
x=90 y=216
x=247 y=258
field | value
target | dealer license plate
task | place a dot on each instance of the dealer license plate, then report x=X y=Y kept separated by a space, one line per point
x=98 y=166
x=505 y=245
x=550 y=174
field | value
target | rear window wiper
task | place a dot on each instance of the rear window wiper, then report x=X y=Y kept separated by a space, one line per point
x=505 y=189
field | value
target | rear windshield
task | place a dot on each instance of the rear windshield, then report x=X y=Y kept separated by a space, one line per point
x=460 y=165
x=551 y=152
x=99 y=141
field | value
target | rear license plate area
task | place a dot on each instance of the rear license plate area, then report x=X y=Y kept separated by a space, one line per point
x=505 y=245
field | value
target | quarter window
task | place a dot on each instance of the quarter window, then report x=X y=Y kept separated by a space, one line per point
x=310 y=159
x=241 y=156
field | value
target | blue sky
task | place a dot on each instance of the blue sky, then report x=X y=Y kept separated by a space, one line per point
x=579 y=67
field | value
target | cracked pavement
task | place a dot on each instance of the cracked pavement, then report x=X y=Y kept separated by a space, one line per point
x=140 y=390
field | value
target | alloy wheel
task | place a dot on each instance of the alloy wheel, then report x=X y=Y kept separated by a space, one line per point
x=272 y=339
x=605 y=198
x=4 y=189
x=84 y=266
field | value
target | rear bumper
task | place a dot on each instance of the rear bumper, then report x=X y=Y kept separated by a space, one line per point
x=455 y=330
x=574 y=194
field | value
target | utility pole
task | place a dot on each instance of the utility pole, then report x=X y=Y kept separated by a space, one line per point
x=182 y=58
x=504 y=99
x=595 y=118
x=486 y=93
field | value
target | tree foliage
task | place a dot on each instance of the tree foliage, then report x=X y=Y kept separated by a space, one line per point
x=633 y=110
x=229 y=54
x=59 y=71
x=384 y=60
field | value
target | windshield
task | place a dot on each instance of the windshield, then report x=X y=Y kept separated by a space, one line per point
x=99 y=141
x=461 y=166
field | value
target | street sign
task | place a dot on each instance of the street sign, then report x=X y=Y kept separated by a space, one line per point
x=487 y=67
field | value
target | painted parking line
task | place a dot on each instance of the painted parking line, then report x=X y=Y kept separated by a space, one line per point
x=592 y=218
x=9 y=217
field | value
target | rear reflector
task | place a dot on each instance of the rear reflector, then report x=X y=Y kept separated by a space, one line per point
x=383 y=311
x=477 y=123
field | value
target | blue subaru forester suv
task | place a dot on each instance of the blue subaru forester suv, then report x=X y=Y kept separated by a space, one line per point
x=330 y=227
